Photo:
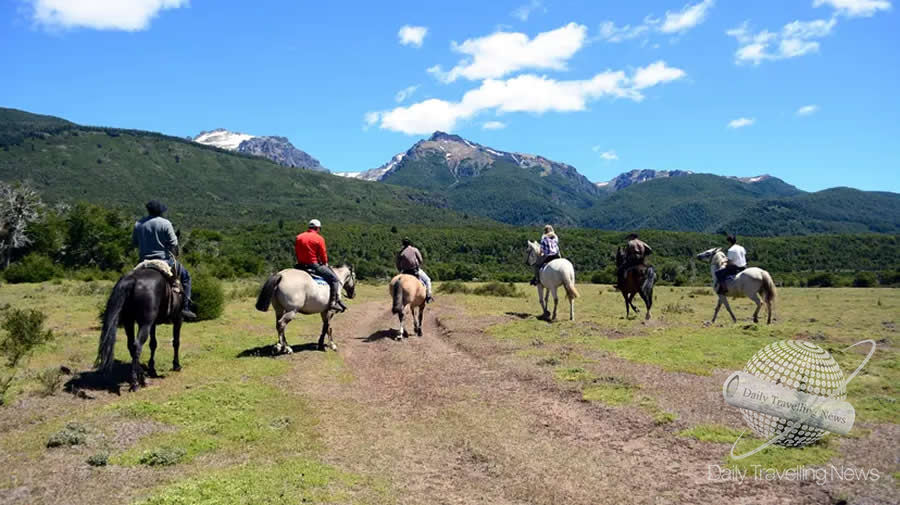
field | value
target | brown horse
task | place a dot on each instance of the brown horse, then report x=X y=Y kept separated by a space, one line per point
x=407 y=291
x=638 y=279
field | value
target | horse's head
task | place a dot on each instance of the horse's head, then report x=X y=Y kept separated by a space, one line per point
x=709 y=253
x=349 y=280
x=532 y=253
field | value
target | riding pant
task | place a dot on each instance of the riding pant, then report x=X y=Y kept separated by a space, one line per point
x=326 y=273
x=723 y=273
x=422 y=276
x=185 y=279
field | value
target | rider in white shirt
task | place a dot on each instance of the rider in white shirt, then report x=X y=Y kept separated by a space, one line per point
x=737 y=262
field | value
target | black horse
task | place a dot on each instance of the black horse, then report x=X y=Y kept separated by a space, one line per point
x=637 y=279
x=145 y=297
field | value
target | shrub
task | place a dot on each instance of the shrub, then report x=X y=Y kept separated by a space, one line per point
x=50 y=380
x=32 y=268
x=498 y=289
x=99 y=459
x=603 y=277
x=451 y=287
x=208 y=296
x=677 y=308
x=162 y=456
x=24 y=332
x=865 y=280
x=72 y=434
x=822 y=280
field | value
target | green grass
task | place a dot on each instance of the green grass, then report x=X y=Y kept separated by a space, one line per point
x=286 y=482
x=774 y=456
x=219 y=417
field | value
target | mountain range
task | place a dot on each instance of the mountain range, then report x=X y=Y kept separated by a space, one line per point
x=219 y=176
x=278 y=149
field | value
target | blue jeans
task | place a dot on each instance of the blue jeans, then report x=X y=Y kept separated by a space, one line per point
x=185 y=279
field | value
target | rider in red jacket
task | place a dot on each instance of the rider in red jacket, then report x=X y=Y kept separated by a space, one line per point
x=312 y=257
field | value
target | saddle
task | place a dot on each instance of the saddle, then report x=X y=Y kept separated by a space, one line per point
x=414 y=274
x=173 y=287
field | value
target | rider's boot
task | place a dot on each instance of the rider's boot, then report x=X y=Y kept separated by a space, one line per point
x=336 y=304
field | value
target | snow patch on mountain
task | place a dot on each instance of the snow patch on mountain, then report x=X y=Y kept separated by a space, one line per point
x=222 y=138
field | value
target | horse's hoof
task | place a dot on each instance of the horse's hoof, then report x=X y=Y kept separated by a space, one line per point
x=288 y=350
x=333 y=347
x=152 y=373
x=176 y=367
x=133 y=388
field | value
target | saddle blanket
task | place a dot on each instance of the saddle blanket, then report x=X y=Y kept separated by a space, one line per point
x=318 y=280
x=158 y=265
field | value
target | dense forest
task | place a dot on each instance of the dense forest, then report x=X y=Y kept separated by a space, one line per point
x=87 y=241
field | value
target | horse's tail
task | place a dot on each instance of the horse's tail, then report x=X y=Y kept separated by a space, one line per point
x=397 y=297
x=569 y=284
x=768 y=291
x=649 y=282
x=266 y=293
x=105 y=352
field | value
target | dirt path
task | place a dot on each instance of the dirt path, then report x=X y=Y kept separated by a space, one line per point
x=445 y=426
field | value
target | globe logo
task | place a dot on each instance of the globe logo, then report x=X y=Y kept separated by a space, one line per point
x=797 y=366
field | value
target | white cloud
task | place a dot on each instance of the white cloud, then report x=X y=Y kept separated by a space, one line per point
x=371 y=119
x=405 y=93
x=609 y=155
x=741 y=122
x=672 y=23
x=655 y=73
x=128 y=15
x=493 y=125
x=807 y=110
x=525 y=93
x=524 y=11
x=412 y=35
x=501 y=53
x=855 y=8
x=794 y=39
x=612 y=33
x=687 y=18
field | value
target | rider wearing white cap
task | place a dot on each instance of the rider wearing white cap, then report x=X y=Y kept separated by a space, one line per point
x=312 y=257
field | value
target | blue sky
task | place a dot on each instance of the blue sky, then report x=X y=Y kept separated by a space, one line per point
x=709 y=86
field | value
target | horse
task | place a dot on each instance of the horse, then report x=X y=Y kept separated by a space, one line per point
x=558 y=272
x=407 y=291
x=293 y=291
x=750 y=282
x=638 y=279
x=143 y=296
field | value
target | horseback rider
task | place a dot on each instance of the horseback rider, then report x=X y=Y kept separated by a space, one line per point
x=409 y=261
x=155 y=239
x=313 y=258
x=636 y=252
x=549 y=252
x=737 y=262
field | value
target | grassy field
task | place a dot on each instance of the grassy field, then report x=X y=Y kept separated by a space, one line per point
x=234 y=427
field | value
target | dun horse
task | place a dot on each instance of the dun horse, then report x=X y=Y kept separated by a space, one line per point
x=558 y=272
x=145 y=297
x=407 y=291
x=638 y=279
x=750 y=282
x=292 y=292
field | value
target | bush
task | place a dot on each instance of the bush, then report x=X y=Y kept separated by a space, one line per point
x=865 y=280
x=24 y=332
x=208 y=296
x=162 y=456
x=99 y=459
x=603 y=277
x=50 y=380
x=72 y=434
x=823 y=280
x=451 y=287
x=32 y=268
x=498 y=289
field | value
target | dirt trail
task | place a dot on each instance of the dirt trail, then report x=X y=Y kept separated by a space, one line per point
x=445 y=426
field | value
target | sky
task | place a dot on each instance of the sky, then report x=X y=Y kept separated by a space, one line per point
x=805 y=90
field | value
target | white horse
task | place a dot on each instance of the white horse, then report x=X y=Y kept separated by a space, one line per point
x=558 y=272
x=293 y=292
x=750 y=282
